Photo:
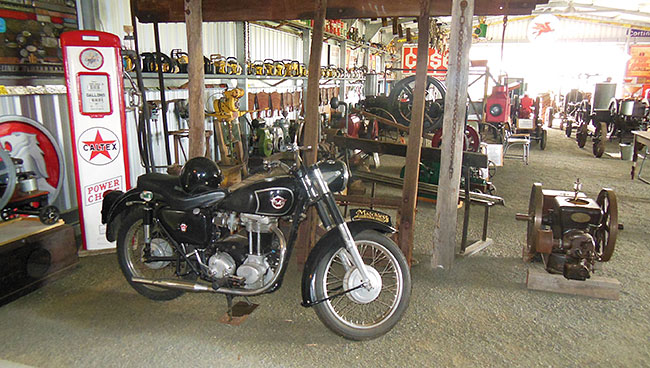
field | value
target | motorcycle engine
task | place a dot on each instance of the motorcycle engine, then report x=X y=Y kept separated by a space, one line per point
x=248 y=255
x=221 y=265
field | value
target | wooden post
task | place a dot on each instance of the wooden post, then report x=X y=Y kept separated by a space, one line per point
x=444 y=235
x=411 y=173
x=195 y=71
x=307 y=231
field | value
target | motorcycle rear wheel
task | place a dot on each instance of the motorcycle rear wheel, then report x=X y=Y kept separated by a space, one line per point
x=363 y=314
x=130 y=254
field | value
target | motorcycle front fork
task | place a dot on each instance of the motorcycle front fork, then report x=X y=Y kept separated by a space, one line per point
x=331 y=216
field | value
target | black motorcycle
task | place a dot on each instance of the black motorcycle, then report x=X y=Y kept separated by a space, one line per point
x=184 y=233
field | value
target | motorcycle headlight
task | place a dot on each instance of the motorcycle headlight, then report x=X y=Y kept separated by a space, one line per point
x=496 y=110
x=336 y=174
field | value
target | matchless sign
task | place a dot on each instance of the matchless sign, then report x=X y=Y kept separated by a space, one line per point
x=93 y=72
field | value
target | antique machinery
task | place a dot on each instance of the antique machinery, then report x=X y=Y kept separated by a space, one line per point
x=19 y=193
x=527 y=119
x=228 y=133
x=401 y=102
x=611 y=118
x=569 y=231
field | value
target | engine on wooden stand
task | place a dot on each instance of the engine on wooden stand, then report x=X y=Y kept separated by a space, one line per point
x=569 y=231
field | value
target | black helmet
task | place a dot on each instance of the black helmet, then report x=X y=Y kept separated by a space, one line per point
x=200 y=171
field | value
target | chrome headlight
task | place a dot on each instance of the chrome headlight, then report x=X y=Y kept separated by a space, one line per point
x=336 y=174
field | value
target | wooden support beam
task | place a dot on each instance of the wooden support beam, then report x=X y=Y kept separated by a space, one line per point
x=149 y=11
x=307 y=231
x=195 y=71
x=412 y=170
x=445 y=221
x=471 y=159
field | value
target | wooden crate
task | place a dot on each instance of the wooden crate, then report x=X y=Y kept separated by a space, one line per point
x=33 y=254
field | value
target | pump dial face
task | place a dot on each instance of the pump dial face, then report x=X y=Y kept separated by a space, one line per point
x=91 y=59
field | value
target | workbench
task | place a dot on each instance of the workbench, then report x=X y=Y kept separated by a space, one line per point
x=641 y=138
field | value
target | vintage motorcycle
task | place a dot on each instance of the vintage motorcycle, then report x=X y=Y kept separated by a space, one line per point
x=185 y=233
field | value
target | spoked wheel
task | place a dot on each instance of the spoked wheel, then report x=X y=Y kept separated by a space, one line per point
x=608 y=229
x=581 y=135
x=471 y=140
x=569 y=127
x=49 y=215
x=599 y=143
x=363 y=314
x=542 y=142
x=383 y=128
x=131 y=256
x=401 y=102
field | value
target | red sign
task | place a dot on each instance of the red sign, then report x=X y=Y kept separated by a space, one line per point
x=437 y=61
x=639 y=63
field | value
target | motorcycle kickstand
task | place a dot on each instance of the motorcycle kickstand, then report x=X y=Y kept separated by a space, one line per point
x=229 y=299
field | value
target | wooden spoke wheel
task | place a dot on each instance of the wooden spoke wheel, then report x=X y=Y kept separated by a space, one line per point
x=608 y=229
x=534 y=219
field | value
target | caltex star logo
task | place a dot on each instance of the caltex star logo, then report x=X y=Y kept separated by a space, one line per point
x=100 y=146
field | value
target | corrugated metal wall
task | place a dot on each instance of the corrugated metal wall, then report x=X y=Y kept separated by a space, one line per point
x=218 y=38
x=268 y=43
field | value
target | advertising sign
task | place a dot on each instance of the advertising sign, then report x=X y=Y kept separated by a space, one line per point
x=93 y=73
x=639 y=63
x=437 y=61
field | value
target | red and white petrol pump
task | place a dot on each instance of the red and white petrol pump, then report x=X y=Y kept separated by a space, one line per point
x=93 y=73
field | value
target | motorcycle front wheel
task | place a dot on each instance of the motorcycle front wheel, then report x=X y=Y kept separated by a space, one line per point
x=131 y=257
x=363 y=314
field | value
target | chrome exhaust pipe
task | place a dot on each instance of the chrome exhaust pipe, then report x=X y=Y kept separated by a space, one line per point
x=175 y=284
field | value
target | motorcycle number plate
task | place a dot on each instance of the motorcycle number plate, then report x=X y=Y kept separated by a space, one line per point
x=367 y=214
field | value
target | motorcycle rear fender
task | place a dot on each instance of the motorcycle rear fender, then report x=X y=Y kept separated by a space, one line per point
x=112 y=215
x=332 y=239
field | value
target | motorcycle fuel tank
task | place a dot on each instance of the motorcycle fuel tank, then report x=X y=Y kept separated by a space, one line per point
x=272 y=197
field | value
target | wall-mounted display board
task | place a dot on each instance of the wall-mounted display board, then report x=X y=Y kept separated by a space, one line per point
x=29 y=34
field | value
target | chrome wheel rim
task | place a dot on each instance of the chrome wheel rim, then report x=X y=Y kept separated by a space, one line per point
x=362 y=308
x=160 y=247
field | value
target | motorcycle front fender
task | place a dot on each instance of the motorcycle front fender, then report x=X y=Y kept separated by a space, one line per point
x=114 y=204
x=333 y=239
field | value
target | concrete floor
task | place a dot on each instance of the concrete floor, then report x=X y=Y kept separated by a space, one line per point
x=477 y=314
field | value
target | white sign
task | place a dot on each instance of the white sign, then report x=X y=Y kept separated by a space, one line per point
x=95 y=96
x=93 y=70
x=544 y=28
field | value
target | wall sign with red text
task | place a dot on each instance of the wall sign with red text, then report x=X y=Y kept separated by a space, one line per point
x=93 y=73
x=437 y=61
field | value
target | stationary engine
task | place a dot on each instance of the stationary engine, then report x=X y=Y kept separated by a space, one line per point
x=498 y=105
x=569 y=231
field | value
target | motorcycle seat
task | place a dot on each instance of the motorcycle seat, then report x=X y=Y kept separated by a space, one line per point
x=169 y=187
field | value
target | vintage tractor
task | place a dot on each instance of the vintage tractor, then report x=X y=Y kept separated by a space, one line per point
x=569 y=231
